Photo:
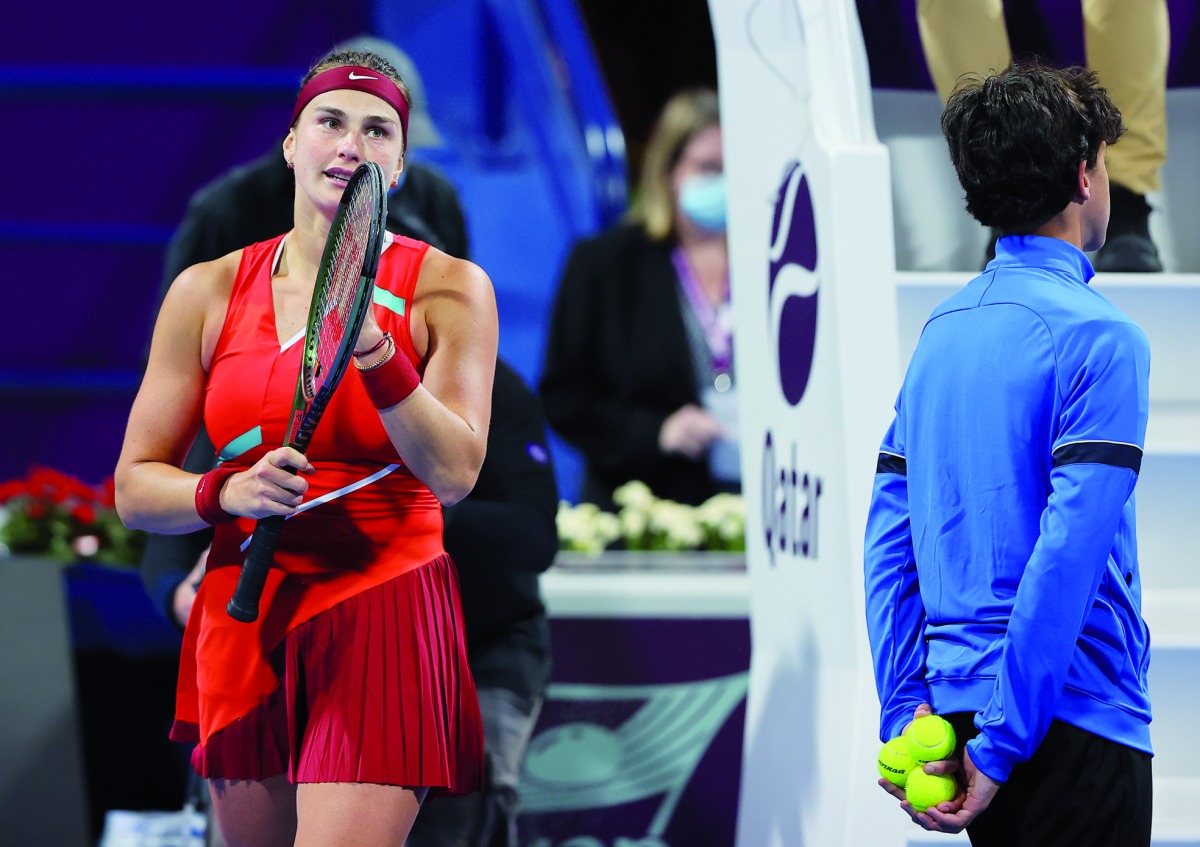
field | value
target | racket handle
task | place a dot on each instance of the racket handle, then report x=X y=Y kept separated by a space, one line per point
x=243 y=606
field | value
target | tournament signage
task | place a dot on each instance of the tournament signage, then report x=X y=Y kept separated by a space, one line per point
x=812 y=270
x=791 y=497
x=639 y=743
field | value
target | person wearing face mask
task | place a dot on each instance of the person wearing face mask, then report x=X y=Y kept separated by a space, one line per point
x=638 y=369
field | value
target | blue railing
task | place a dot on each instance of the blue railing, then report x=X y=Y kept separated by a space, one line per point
x=68 y=381
x=102 y=82
x=594 y=114
x=78 y=234
x=566 y=105
x=95 y=83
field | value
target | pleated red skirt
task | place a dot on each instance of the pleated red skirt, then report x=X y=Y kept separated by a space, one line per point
x=376 y=689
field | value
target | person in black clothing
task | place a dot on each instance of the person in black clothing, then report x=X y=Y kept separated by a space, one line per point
x=501 y=537
x=639 y=362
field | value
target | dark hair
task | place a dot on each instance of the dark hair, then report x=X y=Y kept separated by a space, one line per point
x=361 y=58
x=1017 y=137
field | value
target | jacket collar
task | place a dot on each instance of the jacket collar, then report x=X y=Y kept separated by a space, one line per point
x=1052 y=254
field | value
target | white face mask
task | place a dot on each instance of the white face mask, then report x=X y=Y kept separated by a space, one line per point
x=702 y=201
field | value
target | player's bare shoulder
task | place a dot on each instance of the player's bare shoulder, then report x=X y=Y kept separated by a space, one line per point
x=205 y=281
x=199 y=298
x=451 y=291
x=442 y=274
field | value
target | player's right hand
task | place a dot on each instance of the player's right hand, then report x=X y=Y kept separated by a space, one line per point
x=272 y=486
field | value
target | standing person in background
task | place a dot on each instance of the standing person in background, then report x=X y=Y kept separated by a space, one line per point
x=639 y=360
x=1128 y=44
x=1001 y=573
x=328 y=719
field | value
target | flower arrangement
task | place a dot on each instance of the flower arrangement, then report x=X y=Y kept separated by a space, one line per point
x=54 y=514
x=646 y=522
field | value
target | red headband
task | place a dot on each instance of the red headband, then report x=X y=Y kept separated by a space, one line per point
x=355 y=78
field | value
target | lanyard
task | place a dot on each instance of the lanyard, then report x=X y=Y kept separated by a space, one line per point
x=717 y=322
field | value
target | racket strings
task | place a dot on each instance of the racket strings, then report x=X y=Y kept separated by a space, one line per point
x=335 y=306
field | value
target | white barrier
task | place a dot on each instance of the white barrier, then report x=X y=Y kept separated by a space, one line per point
x=811 y=265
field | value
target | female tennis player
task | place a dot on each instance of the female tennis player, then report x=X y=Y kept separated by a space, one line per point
x=326 y=720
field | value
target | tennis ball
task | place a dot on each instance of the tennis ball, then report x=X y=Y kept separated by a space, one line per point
x=895 y=761
x=930 y=738
x=928 y=789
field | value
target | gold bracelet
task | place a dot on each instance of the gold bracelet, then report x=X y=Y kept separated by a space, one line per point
x=387 y=357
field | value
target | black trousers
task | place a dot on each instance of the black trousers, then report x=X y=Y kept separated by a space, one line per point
x=1077 y=790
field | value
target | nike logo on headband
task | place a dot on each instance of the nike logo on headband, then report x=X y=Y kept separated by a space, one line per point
x=353 y=75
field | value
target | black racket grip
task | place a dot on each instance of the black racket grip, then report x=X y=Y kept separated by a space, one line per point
x=243 y=606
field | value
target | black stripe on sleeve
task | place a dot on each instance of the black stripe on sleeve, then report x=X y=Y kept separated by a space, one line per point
x=891 y=463
x=1099 y=453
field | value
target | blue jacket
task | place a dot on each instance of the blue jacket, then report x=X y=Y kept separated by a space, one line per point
x=1001 y=556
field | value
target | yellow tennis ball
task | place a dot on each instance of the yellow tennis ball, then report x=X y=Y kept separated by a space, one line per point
x=930 y=738
x=895 y=762
x=928 y=789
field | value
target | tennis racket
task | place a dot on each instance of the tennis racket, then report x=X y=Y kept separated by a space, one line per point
x=341 y=297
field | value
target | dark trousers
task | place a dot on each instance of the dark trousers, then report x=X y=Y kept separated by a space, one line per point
x=1077 y=789
x=487 y=818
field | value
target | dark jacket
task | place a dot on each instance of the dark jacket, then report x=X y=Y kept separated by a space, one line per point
x=501 y=536
x=618 y=362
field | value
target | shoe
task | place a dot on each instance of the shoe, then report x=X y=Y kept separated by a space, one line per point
x=1128 y=247
x=1128 y=253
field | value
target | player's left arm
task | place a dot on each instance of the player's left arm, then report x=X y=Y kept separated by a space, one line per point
x=441 y=429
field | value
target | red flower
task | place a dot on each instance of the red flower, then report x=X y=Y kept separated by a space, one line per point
x=107 y=497
x=56 y=513
x=84 y=513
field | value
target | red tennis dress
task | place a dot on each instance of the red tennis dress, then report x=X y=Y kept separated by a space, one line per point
x=356 y=668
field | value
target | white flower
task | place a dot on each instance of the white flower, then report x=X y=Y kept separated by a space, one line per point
x=647 y=523
x=585 y=528
x=606 y=529
x=675 y=525
x=723 y=518
x=633 y=523
x=634 y=495
x=86 y=546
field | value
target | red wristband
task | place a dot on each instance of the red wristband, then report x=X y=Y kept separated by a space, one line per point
x=208 y=496
x=390 y=382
